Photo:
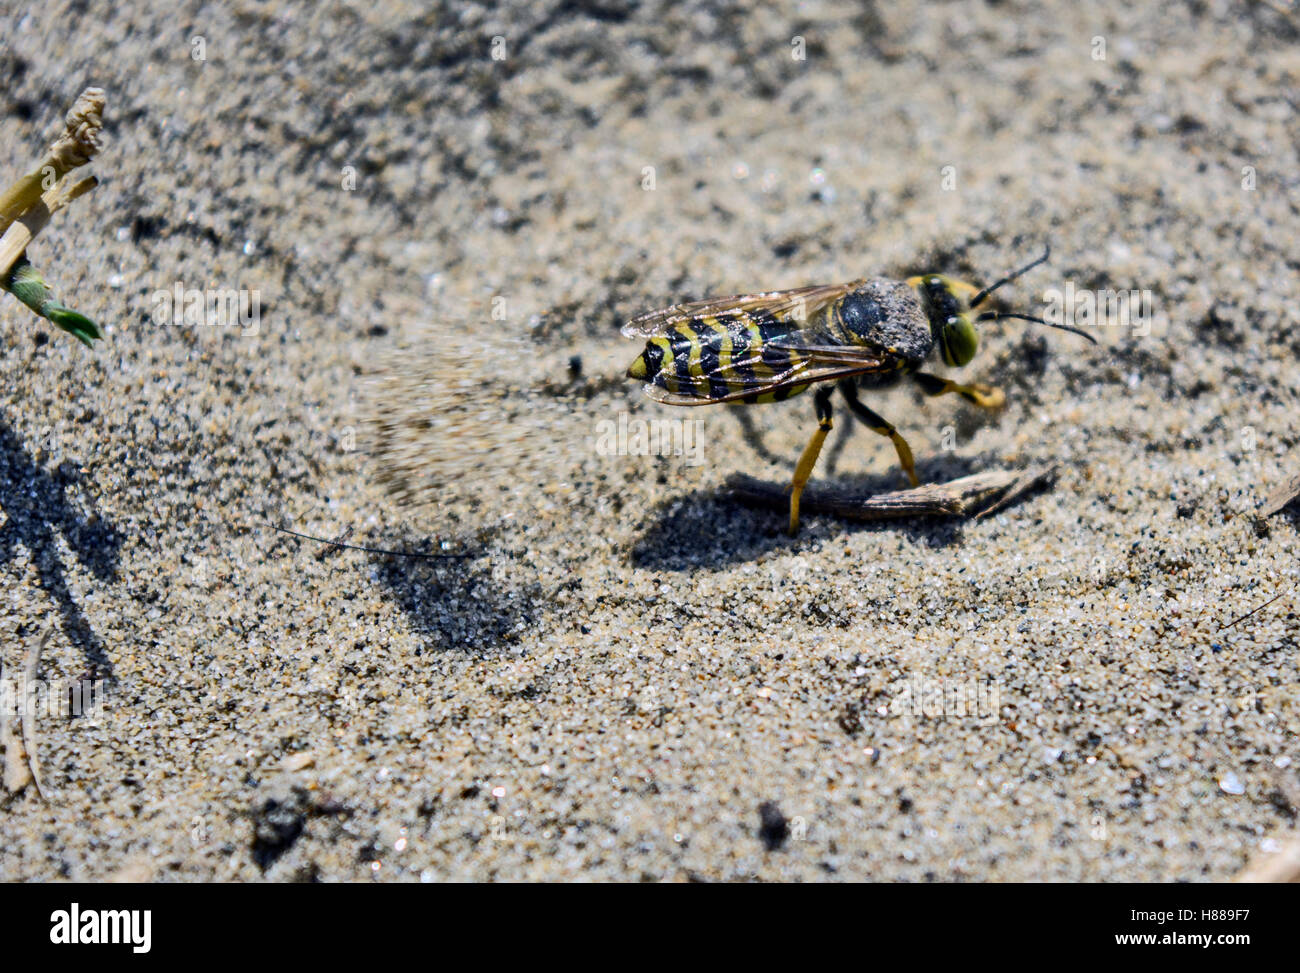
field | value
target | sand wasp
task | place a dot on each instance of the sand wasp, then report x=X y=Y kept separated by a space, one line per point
x=867 y=333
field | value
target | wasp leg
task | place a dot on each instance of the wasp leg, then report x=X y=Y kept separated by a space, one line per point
x=876 y=424
x=982 y=395
x=808 y=459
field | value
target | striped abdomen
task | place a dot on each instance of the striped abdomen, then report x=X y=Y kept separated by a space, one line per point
x=712 y=359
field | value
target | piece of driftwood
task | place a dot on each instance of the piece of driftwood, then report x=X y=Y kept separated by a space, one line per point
x=21 y=766
x=29 y=711
x=1282 y=865
x=956 y=498
x=16 y=774
x=1281 y=497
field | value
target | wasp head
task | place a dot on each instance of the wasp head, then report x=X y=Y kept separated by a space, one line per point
x=952 y=317
x=950 y=321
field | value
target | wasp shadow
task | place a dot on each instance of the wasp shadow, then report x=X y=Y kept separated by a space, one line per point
x=458 y=603
x=710 y=529
x=41 y=505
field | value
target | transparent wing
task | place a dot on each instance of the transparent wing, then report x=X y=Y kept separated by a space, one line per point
x=800 y=304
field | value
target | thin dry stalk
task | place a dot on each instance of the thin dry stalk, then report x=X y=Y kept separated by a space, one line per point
x=1281 y=497
x=956 y=498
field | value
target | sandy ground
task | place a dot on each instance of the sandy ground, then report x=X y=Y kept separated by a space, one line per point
x=628 y=663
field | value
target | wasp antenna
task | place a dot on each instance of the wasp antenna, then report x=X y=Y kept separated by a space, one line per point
x=1047 y=252
x=368 y=550
x=998 y=315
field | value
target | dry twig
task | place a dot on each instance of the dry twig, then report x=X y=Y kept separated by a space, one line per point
x=22 y=766
x=29 y=712
x=26 y=207
x=1279 y=866
x=1281 y=497
x=956 y=498
x=17 y=774
x=75 y=146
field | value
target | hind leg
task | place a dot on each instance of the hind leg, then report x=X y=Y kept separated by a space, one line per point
x=808 y=459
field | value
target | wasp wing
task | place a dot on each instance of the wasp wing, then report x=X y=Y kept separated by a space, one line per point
x=795 y=359
x=799 y=305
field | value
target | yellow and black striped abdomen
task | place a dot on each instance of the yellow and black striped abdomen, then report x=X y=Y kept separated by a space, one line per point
x=713 y=358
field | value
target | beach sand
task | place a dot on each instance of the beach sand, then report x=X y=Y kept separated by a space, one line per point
x=628 y=663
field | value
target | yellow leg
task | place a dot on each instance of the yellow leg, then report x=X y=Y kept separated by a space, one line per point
x=803 y=472
x=985 y=396
x=808 y=458
x=904 y=452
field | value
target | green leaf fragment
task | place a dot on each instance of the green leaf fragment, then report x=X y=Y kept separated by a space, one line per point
x=26 y=284
x=77 y=325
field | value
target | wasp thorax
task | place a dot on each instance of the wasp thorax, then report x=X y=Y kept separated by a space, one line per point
x=861 y=313
x=882 y=314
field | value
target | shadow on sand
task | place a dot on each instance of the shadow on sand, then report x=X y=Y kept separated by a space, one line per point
x=39 y=506
x=456 y=604
x=711 y=530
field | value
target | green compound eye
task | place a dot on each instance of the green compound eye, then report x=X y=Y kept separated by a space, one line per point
x=959 y=340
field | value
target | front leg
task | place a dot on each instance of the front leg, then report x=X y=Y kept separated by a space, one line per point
x=985 y=396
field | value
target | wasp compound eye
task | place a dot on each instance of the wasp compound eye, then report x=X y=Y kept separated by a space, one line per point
x=959 y=339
